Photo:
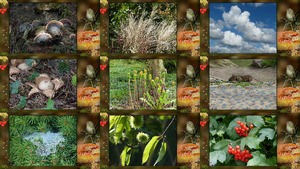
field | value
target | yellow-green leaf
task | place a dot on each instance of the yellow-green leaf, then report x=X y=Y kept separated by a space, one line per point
x=161 y=152
x=149 y=148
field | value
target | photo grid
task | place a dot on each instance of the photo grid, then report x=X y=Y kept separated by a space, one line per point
x=171 y=84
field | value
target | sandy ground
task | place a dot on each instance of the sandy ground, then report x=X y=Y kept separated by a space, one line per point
x=259 y=74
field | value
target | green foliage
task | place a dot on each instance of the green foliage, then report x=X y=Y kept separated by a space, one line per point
x=22 y=152
x=259 y=141
x=33 y=76
x=63 y=66
x=269 y=63
x=22 y=103
x=119 y=85
x=29 y=62
x=134 y=142
x=74 y=80
x=50 y=105
x=15 y=87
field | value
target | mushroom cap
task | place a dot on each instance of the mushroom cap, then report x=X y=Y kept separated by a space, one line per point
x=41 y=37
x=35 y=24
x=41 y=78
x=25 y=26
x=45 y=85
x=49 y=93
x=54 y=27
x=58 y=83
x=66 y=22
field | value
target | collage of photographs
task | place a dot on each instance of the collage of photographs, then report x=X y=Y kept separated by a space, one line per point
x=169 y=84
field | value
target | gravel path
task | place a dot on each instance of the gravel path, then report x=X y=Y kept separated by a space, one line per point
x=262 y=97
x=228 y=96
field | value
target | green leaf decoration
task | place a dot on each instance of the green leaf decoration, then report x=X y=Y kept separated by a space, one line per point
x=15 y=87
x=161 y=152
x=149 y=148
x=74 y=80
x=22 y=102
x=216 y=156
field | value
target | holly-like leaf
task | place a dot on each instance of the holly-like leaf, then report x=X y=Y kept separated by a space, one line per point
x=15 y=87
x=266 y=132
x=29 y=62
x=257 y=121
x=161 y=152
x=50 y=105
x=216 y=156
x=149 y=148
x=33 y=75
x=251 y=142
x=22 y=102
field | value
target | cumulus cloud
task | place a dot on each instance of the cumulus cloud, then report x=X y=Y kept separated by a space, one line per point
x=241 y=22
x=215 y=29
x=236 y=33
x=232 y=39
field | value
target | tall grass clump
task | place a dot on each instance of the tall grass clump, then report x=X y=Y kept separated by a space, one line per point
x=142 y=34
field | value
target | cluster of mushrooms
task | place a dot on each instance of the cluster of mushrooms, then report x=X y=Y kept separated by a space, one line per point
x=46 y=33
x=43 y=83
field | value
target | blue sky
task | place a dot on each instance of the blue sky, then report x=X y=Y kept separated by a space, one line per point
x=243 y=27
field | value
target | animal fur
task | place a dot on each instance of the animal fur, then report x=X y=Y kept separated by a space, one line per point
x=240 y=78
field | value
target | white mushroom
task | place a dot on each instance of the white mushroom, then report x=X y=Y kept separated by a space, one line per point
x=42 y=37
x=45 y=85
x=54 y=27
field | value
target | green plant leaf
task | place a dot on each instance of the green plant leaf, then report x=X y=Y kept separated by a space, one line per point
x=230 y=129
x=222 y=145
x=50 y=105
x=33 y=76
x=149 y=148
x=260 y=159
x=161 y=152
x=266 y=132
x=251 y=142
x=123 y=155
x=74 y=80
x=29 y=62
x=257 y=121
x=15 y=87
x=22 y=102
x=216 y=156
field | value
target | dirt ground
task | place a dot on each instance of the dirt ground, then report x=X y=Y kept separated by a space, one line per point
x=44 y=13
x=259 y=74
x=65 y=97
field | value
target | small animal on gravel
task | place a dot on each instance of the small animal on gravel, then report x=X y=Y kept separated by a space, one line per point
x=240 y=78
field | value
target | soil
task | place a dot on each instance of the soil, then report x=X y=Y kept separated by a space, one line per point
x=65 y=97
x=259 y=74
x=44 y=13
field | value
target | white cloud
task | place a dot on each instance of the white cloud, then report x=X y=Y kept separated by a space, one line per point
x=241 y=22
x=232 y=39
x=215 y=29
x=221 y=8
x=258 y=4
x=260 y=24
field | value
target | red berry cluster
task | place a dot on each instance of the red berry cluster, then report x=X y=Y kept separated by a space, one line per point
x=243 y=129
x=242 y=155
